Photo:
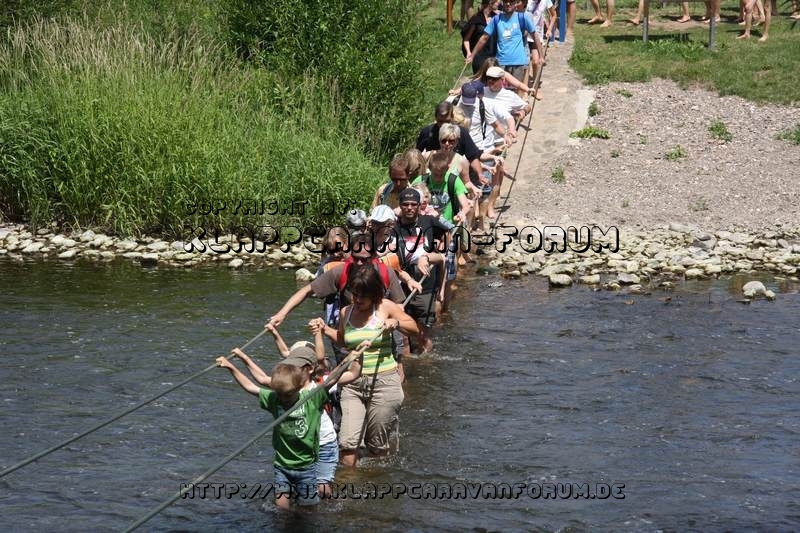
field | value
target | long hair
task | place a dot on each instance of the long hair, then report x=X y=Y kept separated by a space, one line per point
x=365 y=282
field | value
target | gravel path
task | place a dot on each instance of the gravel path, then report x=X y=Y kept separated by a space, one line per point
x=751 y=183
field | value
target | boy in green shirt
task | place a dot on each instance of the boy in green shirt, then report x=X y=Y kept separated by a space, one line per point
x=296 y=439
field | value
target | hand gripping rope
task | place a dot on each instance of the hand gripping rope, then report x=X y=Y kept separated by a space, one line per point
x=334 y=376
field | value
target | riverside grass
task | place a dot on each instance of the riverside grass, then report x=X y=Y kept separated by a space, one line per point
x=762 y=72
x=116 y=129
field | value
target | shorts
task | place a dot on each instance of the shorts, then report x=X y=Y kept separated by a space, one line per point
x=378 y=410
x=327 y=462
x=518 y=71
x=421 y=308
x=300 y=485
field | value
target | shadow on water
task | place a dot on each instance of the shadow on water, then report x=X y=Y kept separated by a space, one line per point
x=687 y=397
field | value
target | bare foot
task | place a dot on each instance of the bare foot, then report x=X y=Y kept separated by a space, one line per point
x=635 y=22
x=763 y=38
x=744 y=36
x=605 y=24
x=595 y=20
x=684 y=19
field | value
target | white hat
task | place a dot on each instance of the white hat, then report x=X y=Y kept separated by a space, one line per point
x=495 y=72
x=382 y=213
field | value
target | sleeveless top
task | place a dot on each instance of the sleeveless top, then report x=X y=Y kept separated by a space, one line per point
x=378 y=357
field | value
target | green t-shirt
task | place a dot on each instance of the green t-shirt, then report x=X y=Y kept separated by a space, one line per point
x=440 y=194
x=296 y=439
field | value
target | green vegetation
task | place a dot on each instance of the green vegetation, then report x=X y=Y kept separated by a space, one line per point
x=720 y=131
x=128 y=116
x=614 y=154
x=765 y=72
x=792 y=135
x=624 y=92
x=594 y=109
x=558 y=175
x=590 y=132
x=676 y=154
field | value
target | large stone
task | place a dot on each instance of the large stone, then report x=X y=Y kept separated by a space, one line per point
x=753 y=289
x=158 y=246
x=69 y=254
x=627 y=278
x=560 y=280
x=33 y=247
x=236 y=263
x=593 y=279
x=303 y=274
x=87 y=236
x=126 y=245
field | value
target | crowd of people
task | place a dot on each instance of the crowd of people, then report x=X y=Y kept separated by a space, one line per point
x=386 y=276
x=751 y=13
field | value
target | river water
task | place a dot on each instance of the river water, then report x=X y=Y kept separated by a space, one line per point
x=688 y=398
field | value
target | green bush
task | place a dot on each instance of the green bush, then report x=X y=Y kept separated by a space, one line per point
x=119 y=130
x=371 y=52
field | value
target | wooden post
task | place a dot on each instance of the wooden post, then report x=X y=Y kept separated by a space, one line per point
x=450 y=16
x=646 y=22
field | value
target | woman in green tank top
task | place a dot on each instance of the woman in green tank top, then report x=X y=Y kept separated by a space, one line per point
x=371 y=404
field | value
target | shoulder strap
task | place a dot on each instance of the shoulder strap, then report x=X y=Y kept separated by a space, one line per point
x=386 y=190
x=451 y=192
x=345 y=272
x=482 y=112
x=383 y=271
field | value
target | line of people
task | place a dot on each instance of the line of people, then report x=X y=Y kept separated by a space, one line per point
x=385 y=278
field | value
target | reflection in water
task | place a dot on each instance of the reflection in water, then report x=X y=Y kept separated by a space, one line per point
x=686 y=397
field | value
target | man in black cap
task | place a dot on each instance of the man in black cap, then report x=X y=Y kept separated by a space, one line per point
x=417 y=236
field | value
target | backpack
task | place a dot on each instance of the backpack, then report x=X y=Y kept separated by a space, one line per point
x=481 y=112
x=386 y=192
x=333 y=304
x=450 y=179
x=348 y=263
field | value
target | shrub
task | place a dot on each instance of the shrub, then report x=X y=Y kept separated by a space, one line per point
x=118 y=130
x=369 y=51
x=590 y=132
x=720 y=131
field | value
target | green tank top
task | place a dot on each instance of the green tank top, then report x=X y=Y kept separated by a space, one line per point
x=377 y=357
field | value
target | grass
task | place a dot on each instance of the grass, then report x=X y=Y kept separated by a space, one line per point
x=590 y=132
x=792 y=135
x=719 y=131
x=762 y=72
x=594 y=109
x=625 y=93
x=676 y=154
x=135 y=125
x=117 y=130
x=558 y=175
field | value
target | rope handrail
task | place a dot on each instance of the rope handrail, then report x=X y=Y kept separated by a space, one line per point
x=116 y=417
x=334 y=376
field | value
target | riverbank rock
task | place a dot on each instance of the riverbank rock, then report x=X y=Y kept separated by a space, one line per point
x=560 y=280
x=303 y=275
x=754 y=289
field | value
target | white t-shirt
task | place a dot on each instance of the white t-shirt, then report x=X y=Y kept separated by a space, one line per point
x=327 y=433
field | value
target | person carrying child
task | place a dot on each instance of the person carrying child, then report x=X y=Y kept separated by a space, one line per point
x=296 y=440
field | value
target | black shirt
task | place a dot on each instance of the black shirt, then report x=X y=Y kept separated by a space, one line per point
x=419 y=234
x=428 y=139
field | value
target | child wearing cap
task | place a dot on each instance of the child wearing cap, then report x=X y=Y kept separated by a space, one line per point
x=304 y=446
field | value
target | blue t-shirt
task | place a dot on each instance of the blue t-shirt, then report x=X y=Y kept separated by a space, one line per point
x=511 y=46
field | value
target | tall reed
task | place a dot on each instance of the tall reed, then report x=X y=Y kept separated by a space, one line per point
x=127 y=131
